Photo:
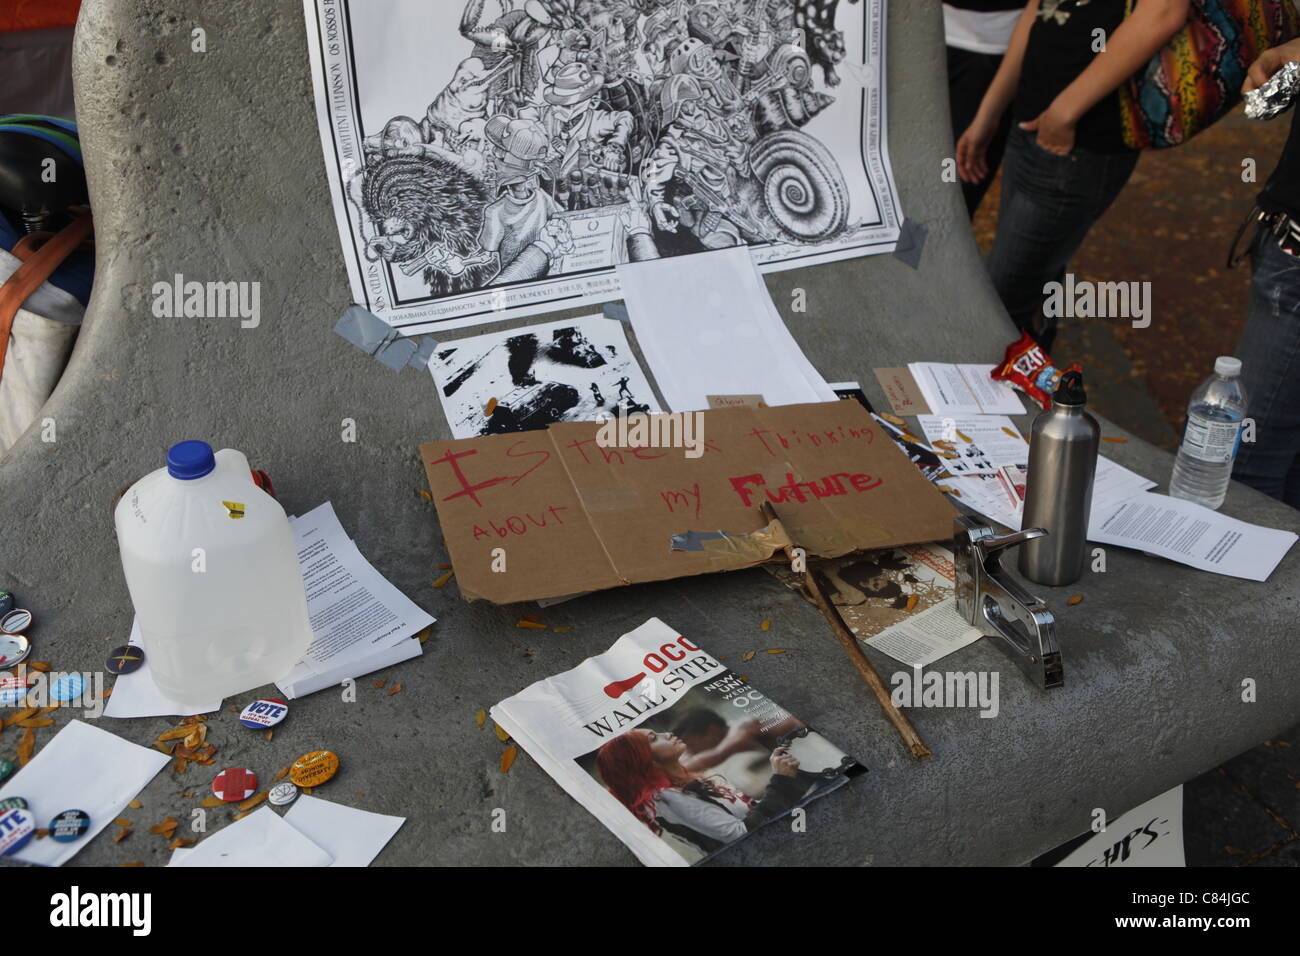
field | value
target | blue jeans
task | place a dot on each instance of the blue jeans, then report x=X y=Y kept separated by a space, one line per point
x=1049 y=203
x=1270 y=358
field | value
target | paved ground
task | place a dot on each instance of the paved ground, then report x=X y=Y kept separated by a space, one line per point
x=1172 y=226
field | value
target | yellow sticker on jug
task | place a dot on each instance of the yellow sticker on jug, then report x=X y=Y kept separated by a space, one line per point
x=235 y=508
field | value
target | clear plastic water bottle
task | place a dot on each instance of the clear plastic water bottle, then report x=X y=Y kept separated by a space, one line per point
x=1212 y=436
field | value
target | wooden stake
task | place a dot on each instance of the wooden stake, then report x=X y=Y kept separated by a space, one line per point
x=861 y=662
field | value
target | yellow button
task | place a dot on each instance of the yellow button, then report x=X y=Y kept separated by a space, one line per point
x=315 y=768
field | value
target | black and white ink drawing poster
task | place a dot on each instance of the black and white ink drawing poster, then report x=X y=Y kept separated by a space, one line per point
x=577 y=370
x=497 y=158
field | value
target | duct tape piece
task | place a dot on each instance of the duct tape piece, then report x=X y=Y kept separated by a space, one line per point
x=618 y=312
x=753 y=546
x=376 y=337
x=911 y=241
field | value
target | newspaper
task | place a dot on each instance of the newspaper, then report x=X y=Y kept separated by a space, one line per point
x=673 y=752
x=899 y=601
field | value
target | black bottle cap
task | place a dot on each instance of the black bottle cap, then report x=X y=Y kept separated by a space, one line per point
x=1070 y=390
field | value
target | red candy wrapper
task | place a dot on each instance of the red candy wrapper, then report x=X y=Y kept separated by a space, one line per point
x=1027 y=367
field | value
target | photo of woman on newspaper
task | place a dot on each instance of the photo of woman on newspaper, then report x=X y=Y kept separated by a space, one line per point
x=708 y=783
x=642 y=769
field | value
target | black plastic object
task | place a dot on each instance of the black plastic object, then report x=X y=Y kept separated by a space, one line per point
x=40 y=172
x=1070 y=390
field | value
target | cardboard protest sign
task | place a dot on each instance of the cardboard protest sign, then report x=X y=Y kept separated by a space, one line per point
x=576 y=508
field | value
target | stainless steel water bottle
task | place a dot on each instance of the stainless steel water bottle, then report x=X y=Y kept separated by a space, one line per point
x=1058 y=492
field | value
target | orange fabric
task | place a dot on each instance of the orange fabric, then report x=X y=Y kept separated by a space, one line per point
x=37 y=14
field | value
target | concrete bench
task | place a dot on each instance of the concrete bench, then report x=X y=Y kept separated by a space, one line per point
x=209 y=165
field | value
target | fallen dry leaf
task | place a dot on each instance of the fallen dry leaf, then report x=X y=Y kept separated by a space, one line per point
x=180 y=842
x=269 y=733
x=508 y=758
x=132 y=863
x=1075 y=599
x=48 y=710
x=490 y=407
x=280 y=776
x=395 y=689
x=211 y=802
x=176 y=733
x=443 y=567
x=22 y=715
x=122 y=835
x=26 y=746
x=443 y=579
x=911 y=602
x=501 y=734
x=531 y=625
x=42 y=833
x=427 y=496
x=423 y=636
x=964 y=438
x=254 y=800
x=1008 y=431
x=892 y=419
x=766 y=625
x=1114 y=440
x=379 y=684
x=748 y=655
x=42 y=666
x=562 y=628
x=135 y=804
x=166 y=828
x=777 y=650
x=123 y=822
x=480 y=719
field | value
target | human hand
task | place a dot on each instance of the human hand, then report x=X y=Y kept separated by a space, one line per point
x=1269 y=62
x=1055 y=133
x=972 y=151
x=783 y=763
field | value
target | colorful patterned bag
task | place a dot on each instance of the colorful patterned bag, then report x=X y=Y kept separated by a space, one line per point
x=1196 y=78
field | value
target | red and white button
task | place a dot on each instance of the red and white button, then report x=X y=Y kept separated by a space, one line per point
x=235 y=784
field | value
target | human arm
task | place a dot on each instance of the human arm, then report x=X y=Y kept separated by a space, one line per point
x=1126 y=51
x=972 y=147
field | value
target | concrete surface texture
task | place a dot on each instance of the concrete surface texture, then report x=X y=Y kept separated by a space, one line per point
x=209 y=165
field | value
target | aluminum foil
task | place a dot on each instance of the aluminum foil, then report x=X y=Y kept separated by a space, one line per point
x=1273 y=98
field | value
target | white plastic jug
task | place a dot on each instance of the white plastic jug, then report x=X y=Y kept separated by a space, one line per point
x=212 y=568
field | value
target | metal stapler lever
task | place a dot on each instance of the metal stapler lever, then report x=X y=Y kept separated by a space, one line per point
x=995 y=603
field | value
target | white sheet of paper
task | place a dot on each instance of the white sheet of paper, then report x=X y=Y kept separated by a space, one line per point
x=1158 y=825
x=990 y=446
x=1190 y=534
x=136 y=694
x=577 y=370
x=987 y=495
x=924 y=638
x=353 y=837
x=82 y=768
x=302 y=680
x=262 y=838
x=354 y=610
x=964 y=390
x=707 y=326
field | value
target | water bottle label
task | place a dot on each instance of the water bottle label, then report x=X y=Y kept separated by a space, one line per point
x=1211 y=441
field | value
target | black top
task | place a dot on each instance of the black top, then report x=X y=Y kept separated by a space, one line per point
x=1282 y=192
x=1060 y=48
x=986 y=6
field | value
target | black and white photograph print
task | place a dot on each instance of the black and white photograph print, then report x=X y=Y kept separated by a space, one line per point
x=526 y=378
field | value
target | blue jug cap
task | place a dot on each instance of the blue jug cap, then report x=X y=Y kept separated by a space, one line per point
x=188 y=460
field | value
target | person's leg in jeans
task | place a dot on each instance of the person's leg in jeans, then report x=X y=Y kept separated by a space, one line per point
x=969 y=76
x=1270 y=367
x=1049 y=203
